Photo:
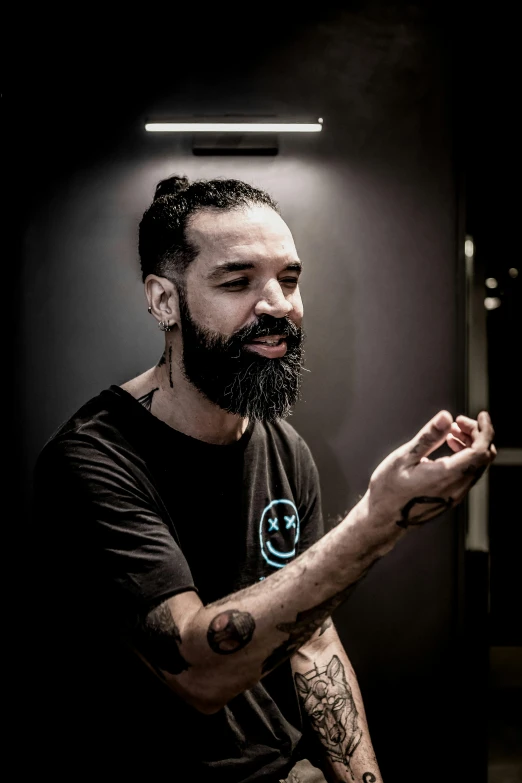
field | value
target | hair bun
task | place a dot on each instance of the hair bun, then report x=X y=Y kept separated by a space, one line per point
x=171 y=186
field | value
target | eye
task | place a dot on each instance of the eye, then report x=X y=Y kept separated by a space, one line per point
x=290 y=281
x=235 y=283
x=338 y=703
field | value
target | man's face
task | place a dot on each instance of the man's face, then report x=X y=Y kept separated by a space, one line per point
x=242 y=289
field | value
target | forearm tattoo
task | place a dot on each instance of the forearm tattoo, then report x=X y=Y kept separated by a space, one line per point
x=230 y=631
x=328 y=700
x=369 y=777
x=437 y=506
x=146 y=400
x=159 y=639
x=303 y=627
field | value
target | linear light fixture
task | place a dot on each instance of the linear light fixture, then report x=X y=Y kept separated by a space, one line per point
x=235 y=127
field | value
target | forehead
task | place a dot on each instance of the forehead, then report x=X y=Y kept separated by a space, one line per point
x=252 y=233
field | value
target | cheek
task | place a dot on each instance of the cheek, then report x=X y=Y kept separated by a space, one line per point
x=225 y=315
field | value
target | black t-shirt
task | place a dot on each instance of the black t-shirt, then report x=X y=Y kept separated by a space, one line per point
x=128 y=512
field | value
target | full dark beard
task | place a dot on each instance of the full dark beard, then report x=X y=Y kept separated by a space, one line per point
x=236 y=379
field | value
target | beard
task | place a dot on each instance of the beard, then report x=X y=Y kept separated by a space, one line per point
x=236 y=379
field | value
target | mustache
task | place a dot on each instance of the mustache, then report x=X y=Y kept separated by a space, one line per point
x=266 y=326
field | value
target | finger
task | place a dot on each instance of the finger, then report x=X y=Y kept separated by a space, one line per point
x=470 y=460
x=460 y=434
x=485 y=427
x=454 y=443
x=430 y=437
x=466 y=424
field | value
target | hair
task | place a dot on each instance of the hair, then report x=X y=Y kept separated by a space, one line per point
x=163 y=245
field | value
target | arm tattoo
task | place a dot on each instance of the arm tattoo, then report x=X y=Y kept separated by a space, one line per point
x=230 y=631
x=327 y=699
x=303 y=627
x=146 y=400
x=437 y=506
x=159 y=639
x=369 y=777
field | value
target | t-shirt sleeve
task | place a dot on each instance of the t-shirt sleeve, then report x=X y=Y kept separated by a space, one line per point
x=311 y=514
x=94 y=504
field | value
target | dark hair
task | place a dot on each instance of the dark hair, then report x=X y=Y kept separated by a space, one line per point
x=163 y=246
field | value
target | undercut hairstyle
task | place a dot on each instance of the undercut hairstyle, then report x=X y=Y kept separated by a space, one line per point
x=163 y=245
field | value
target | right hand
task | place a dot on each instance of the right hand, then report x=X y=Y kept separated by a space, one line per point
x=410 y=488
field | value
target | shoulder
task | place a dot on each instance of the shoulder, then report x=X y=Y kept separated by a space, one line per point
x=90 y=432
x=289 y=440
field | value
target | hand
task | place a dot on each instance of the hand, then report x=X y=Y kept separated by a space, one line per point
x=411 y=488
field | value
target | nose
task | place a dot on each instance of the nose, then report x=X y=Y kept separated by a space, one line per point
x=273 y=301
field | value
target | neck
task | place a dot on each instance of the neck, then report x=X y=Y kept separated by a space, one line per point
x=180 y=405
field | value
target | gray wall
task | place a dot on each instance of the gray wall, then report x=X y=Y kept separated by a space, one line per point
x=372 y=203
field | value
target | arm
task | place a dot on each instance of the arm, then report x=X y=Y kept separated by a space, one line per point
x=209 y=654
x=331 y=701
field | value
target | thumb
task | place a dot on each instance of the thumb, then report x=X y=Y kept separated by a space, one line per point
x=430 y=437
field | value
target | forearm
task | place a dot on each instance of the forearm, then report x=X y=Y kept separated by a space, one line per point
x=231 y=644
x=332 y=702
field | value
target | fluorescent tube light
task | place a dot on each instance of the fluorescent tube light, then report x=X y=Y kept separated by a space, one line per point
x=234 y=127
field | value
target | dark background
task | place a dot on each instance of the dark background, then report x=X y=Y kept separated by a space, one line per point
x=419 y=149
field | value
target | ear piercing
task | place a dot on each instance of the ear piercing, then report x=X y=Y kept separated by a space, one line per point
x=165 y=326
x=149 y=310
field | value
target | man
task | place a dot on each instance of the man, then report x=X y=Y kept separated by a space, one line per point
x=185 y=561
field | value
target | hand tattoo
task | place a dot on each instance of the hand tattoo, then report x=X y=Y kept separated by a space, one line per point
x=439 y=505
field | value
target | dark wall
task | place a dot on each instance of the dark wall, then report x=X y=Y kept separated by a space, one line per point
x=373 y=204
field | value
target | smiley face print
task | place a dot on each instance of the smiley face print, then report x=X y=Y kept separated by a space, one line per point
x=279 y=532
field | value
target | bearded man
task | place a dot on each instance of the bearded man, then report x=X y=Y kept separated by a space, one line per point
x=181 y=535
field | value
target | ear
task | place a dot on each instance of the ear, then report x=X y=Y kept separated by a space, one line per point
x=162 y=297
x=302 y=684
x=335 y=668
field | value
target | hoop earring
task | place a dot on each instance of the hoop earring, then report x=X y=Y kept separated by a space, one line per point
x=164 y=326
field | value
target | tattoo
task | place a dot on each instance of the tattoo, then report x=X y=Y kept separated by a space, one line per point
x=159 y=641
x=162 y=360
x=422 y=445
x=476 y=472
x=438 y=506
x=146 y=400
x=170 y=367
x=369 y=777
x=327 y=623
x=230 y=631
x=327 y=698
x=304 y=626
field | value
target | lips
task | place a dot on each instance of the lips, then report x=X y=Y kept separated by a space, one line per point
x=270 y=339
x=275 y=349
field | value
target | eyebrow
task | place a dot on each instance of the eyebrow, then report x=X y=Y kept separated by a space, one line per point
x=240 y=266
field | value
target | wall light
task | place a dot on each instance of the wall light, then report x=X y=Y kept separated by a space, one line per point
x=234 y=135
x=234 y=127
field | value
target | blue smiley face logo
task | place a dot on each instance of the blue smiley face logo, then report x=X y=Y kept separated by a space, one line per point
x=279 y=532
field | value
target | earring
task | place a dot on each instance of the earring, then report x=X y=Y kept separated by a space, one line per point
x=164 y=326
x=149 y=310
